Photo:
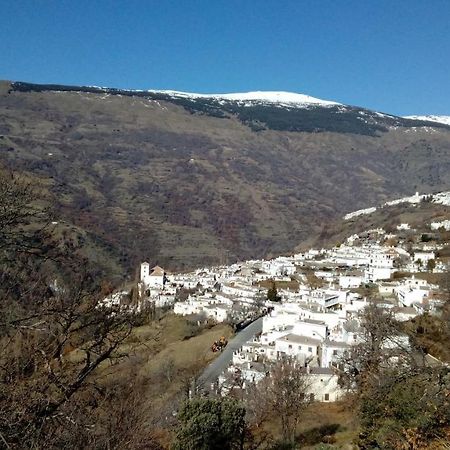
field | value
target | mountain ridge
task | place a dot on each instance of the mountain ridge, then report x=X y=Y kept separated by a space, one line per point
x=188 y=182
x=259 y=115
x=279 y=97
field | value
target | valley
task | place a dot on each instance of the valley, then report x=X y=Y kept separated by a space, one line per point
x=152 y=174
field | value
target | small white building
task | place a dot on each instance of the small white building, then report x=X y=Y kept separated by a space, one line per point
x=316 y=329
x=304 y=349
x=424 y=256
x=279 y=267
x=402 y=314
x=381 y=267
x=350 y=281
x=323 y=384
x=154 y=278
x=412 y=290
x=445 y=224
x=331 y=352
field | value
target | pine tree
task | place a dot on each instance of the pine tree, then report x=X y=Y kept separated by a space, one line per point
x=272 y=293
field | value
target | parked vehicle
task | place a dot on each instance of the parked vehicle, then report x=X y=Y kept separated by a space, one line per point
x=219 y=345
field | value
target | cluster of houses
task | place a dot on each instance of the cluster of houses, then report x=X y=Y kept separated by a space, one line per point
x=322 y=292
x=442 y=198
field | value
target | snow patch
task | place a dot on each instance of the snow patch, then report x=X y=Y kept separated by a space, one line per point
x=439 y=119
x=249 y=98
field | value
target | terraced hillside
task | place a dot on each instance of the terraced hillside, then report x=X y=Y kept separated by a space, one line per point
x=189 y=181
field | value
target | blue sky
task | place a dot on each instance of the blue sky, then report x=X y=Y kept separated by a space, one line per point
x=388 y=55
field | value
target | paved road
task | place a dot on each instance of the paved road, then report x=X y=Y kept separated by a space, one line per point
x=211 y=373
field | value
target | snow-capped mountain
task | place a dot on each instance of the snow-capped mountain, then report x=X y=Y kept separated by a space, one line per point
x=275 y=97
x=263 y=110
x=250 y=173
x=439 y=119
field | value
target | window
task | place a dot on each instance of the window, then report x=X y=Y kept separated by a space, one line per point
x=327 y=397
x=335 y=352
x=299 y=347
x=310 y=349
x=311 y=397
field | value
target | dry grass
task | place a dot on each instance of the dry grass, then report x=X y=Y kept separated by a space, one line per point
x=322 y=423
x=172 y=338
x=291 y=285
x=173 y=342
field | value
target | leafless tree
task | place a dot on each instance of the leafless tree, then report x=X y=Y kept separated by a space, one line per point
x=288 y=389
x=58 y=344
x=380 y=343
x=283 y=394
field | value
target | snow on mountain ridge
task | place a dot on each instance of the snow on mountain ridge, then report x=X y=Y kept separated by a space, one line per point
x=431 y=118
x=278 y=97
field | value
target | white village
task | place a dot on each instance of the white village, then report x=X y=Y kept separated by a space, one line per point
x=312 y=316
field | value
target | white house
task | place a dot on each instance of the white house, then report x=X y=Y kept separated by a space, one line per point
x=387 y=287
x=316 y=329
x=331 y=352
x=279 y=267
x=444 y=224
x=350 y=281
x=323 y=384
x=412 y=290
x=304 y=349
x=381 y=267
x=154 y=278
x=402 y=314
x=423 y=256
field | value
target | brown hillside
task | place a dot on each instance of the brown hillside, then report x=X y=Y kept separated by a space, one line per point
x=182 y=188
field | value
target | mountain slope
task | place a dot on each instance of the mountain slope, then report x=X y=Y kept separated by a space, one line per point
x=185 y=181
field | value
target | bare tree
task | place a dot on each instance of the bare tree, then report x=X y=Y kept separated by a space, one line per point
x=380 y=343
x=53 y=353
x=58 y=344
x=22 y=217
x=400 y=395
x=288 y=391
x=284 y=394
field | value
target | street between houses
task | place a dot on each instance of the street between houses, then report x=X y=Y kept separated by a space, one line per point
x=212 y=372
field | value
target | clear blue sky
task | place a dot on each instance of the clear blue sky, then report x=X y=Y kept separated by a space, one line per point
x=389 y=55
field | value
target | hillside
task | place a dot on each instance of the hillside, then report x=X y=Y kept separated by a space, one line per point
x=190 y=180
x=418 y=216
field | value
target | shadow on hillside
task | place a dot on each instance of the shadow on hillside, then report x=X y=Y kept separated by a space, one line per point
x=317 y=435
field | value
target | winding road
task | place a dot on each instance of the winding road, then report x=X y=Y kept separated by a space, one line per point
x=212 y=372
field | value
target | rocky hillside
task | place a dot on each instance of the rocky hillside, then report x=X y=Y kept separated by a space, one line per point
x=184 y=180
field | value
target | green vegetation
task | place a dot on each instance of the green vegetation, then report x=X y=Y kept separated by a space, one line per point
x=211 y=424
x=402 y=398
x=406 y=410
x=272 y=293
